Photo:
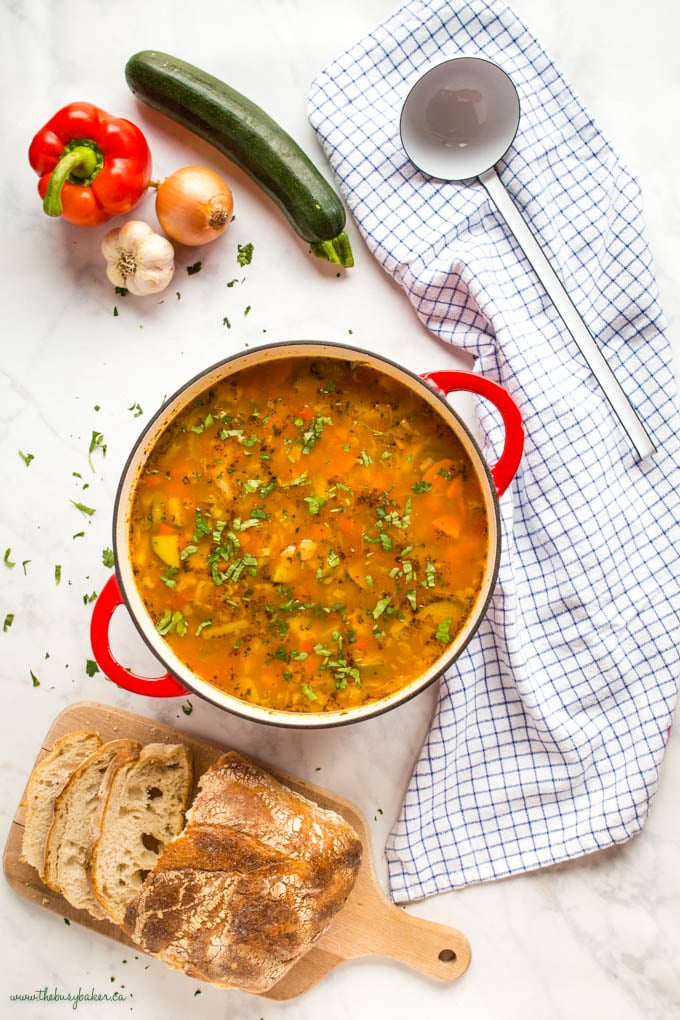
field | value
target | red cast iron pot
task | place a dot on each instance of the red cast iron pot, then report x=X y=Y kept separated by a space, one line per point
x=177 y=680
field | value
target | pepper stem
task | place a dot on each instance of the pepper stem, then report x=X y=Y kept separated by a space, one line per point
x=80 y=162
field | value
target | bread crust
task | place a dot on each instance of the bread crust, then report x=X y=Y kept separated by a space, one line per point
x=250 y=885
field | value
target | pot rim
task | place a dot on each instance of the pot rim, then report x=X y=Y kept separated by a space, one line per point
x=162 y=650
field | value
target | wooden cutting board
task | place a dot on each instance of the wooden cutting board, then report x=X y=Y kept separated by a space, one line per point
x=367 y=925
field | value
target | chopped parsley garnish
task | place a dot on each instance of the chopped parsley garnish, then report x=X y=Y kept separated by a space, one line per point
x=91 y=667
x=196 y=268
x=88 y=510
x=8 y=621
x=57 y=573
x=8 y=561
x=421 y=487
x=96 y=443
x=430 y=575
x=380 y=606
x=314 y=503
x=244 y=254
x=34 y=679
x=107 y=557
x=168 y=578
x=332 y=559
x=442 y=632
x=26 y=457
x=172 y=623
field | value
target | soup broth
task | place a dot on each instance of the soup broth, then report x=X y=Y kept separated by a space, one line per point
x=308 y=535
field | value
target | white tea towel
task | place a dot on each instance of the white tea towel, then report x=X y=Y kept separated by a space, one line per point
x=551 y=727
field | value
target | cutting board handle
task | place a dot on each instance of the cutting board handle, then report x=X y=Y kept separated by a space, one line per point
x=435 y=950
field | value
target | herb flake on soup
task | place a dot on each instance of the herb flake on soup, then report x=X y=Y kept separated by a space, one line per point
x=308 y=535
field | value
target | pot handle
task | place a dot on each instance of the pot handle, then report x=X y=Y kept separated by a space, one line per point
x=108 y=600
x=505 y=468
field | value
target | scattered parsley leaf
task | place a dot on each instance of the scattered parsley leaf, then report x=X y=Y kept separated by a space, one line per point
x=421 y=487
x=96 y=442
x=34 y=679
x=57 y=573
x=91 y=667
x=188 y=708
x=308 y=692
x=8 y=561
x=26 y=457
x=244 y=254
x=122 y=291
x=9 y=620
x=196 y=268
x=115 y=310
x=246 y=310
x=225 y=322
x=83 y=509
x=107 y=557
x=136 y=410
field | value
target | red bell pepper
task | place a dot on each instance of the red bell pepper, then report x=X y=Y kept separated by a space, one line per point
x=92 y=166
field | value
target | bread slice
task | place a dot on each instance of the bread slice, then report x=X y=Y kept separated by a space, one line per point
x=250 y=885
x=70 y=834
x=48 y=778
x=141 y=807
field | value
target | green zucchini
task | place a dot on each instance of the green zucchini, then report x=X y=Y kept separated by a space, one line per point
x=248 y=136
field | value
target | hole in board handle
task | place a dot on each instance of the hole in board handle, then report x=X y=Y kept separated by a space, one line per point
x=448 y=956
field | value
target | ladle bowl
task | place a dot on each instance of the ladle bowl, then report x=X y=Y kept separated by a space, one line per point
x=457 y=122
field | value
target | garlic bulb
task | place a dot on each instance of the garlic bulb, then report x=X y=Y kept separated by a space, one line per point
x=138 y=259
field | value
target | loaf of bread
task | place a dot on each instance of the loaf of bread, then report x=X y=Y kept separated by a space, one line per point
x=250 y=885
x=70 y=835
x=48 y=779
x=141 y=806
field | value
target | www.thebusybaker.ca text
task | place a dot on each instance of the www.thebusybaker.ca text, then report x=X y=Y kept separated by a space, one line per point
x=54 y=995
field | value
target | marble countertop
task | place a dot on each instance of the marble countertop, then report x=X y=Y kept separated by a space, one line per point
x=594 y=938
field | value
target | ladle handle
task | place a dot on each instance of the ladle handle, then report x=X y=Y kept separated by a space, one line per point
x=618 y=400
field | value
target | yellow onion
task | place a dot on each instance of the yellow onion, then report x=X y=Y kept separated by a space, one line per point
x=194 y=205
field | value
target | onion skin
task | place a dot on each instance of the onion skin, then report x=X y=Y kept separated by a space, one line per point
x=194 y=205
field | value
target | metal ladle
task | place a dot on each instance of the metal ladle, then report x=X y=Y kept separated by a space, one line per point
x=457 y=122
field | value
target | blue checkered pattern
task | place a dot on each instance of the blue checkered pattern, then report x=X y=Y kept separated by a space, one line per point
x=551 y=727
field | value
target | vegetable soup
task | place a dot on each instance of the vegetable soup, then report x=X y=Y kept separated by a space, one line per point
x=308 y=535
